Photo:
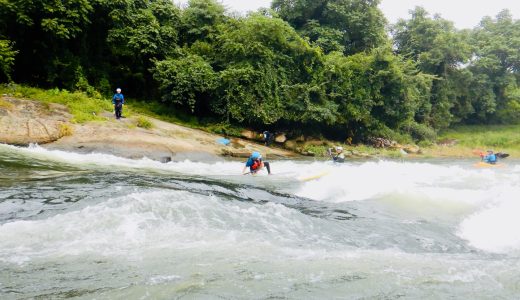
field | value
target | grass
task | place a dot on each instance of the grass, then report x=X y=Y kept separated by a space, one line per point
x=143 y=122
x=161 y=111
x=472 y=139
x=6 y=105
x=66 y=130
x=356 y=150
x=82 y=107
x=164 y=112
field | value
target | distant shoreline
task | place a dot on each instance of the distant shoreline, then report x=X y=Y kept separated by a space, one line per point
x=51 y=125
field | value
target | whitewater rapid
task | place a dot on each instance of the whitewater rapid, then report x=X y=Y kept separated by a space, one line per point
x=313 y=229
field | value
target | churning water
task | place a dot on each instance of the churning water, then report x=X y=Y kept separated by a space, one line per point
x=102 y=227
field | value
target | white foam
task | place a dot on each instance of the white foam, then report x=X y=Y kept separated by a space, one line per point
x=145 y=222
x=495 y=227
x=485 y=199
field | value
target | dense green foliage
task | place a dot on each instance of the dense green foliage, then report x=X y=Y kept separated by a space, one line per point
x=7 y=55
x=321 y=67
x=350 y=26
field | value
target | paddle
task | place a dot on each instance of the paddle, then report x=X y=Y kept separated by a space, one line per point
x=478 y=152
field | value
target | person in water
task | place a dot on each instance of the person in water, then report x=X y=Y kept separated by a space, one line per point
x=118 y=100
x=338 y=156
x=255 y=164
x=490 y=158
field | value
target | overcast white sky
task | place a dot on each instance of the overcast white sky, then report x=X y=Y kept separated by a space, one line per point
x=464 y=13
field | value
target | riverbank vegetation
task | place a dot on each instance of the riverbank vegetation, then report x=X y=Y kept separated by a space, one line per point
x=332 y=69
x=461 y=140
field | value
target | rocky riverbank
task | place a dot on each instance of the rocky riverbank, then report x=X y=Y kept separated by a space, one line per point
x=25 y=121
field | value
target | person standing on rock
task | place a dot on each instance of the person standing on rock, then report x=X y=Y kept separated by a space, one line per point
x=118 y=100
x=268 y=138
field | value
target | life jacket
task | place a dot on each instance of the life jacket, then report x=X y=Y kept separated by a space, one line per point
x=256 y=164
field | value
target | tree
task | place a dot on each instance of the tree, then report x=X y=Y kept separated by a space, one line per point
x=439 y=50
x=496 y=69
x=200 y=20
x=184 y=81
x=43 y=31
x=261 y=58
x=376 y=92
x=350 y=26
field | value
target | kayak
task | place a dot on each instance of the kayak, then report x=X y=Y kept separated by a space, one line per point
x=482 y=164
x=314 y=177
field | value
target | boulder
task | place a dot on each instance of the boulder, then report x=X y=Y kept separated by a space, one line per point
x=26 y=122
x=280 y=138
x=249 y=134
x=411 y=149
x=291 y=145
x=378 y=142
x=243 y=153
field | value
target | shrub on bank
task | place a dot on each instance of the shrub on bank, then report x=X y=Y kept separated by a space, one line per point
x=143 y=122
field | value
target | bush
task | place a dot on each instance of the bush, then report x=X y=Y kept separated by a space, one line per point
x=143 y=122
x=317 y=150
x=66 y=130
x=419 y=132
x=383 y=131
x=224 y=129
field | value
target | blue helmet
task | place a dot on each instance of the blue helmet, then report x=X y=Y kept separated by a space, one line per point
x=256 y=155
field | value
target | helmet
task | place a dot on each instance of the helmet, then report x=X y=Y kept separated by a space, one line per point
x=339 y=148
x=256 y=155
x=118 y=90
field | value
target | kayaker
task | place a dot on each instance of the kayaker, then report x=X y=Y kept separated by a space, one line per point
x=490 y=158
x=255 y=164
x=338 y=156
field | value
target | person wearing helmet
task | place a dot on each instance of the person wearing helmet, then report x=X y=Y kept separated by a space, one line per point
x=118 y=100
x=268 y=138
x=490 y=158
x=338 y=156
x=255 y=164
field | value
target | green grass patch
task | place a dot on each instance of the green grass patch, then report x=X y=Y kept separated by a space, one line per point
x=82 y=107
x=472 y=139
x=162 y=112
x=495 y=136
x=317 y=150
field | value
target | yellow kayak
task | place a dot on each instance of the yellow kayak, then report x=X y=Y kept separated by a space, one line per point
x=314 y=177
x=482 y=164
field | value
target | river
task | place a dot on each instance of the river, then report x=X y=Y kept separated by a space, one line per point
x=93 y=226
